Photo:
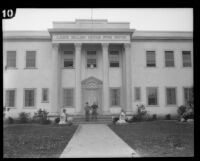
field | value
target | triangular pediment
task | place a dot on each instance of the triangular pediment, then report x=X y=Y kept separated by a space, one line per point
x=91 y=79
x=91 y=82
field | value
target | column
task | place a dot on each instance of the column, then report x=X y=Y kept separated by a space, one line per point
x=78 y=99
x=54 y=87
x=127 y=47
x=105 y=77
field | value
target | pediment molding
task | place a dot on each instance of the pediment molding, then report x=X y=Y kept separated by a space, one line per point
x=91 y=83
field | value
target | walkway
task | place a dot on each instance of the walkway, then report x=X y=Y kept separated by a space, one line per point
x=96 y=141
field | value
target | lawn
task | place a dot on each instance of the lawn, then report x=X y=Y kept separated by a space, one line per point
x=158 y=138
x=36 y=141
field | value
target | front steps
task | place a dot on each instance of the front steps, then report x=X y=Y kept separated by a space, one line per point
x=101 y=119
x=80 y=119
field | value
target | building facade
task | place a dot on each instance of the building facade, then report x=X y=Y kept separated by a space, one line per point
x=97 y=61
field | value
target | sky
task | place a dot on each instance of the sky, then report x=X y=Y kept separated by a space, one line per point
x=162 y=19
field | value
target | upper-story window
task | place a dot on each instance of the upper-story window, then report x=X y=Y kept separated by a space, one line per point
x=169 y=59
x=114 y=58
x=151 y=58
x=186 y=58
x=11 y=59
x=68 y=59
x=30 y=59
x=91 y=59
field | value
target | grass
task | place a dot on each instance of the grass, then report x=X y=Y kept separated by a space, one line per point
x=36 y=141
x=158 y=138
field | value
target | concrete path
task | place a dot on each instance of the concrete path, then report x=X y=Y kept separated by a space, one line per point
x=96 y=141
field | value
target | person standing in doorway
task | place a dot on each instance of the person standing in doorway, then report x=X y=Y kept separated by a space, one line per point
x=87 y=111
x=94 y=111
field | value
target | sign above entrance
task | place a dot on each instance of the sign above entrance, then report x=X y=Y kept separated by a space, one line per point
x=90 y=38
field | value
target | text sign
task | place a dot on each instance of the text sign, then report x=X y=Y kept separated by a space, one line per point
x=65 y=37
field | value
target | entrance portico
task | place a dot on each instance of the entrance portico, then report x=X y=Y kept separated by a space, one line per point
x=82 y=41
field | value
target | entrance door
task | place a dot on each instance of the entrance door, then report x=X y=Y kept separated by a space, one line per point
x=91 y=96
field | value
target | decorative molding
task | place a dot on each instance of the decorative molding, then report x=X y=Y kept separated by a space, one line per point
x=91 y=83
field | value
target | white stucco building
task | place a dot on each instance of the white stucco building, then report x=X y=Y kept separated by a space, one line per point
x=97 y=61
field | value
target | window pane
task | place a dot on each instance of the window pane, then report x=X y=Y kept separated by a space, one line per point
x=115 y=97
x=169 y=58
x=151 y=58
x=44 y=94
x=171 y=96
x=29 y=98
x=68 y=63
x=114 y=58
x=30 y=59
x=152 y=96
x=91 y=59
x=68 y=97
x=186 y=58
x=188 y=95
x=10 y=98
x=11 y=58
x=137 y=93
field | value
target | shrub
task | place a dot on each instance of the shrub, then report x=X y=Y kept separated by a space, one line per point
x=24 y=117
x=168 y=117
x=9 y=120
x=154 y=117
x=57 y=120
x=181 y=110
x=41 y=116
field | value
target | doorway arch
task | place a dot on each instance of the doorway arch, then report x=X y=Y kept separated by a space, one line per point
x=92 y=92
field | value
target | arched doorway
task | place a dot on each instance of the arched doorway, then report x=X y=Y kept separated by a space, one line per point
x=92 y=92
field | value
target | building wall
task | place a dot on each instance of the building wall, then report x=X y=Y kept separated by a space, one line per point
x=21 y=77
x=142 y=76
x=160 y=76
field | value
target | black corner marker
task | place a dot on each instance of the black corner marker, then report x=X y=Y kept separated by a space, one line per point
x=8 y=13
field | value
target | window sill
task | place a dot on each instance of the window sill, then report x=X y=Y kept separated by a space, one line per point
x=68 y=68
x=30 y=68
x=44 y=101
x=11 y=68
x=30 y=107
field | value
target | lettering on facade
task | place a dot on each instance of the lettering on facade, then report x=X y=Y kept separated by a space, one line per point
x=63 y=37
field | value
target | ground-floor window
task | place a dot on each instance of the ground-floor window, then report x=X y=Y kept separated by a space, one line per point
x=171 y=96
x=188 y=95
x=152 y=95
x=115 y=97
x=68 y=97
x=137 y=94
x=29 y=97
x=10 y=98
x=45 y=94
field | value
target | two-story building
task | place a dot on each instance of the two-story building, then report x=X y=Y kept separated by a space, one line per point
x=97 y=61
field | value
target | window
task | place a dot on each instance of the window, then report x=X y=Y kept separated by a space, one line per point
x=152 y=96
x=30 y=59
x=188 y=95
x=91 y=59
x=68 y=97
x=171 y=96
x=186 y=58
x=114 y=58
x=45 y=95
x=11 y=59
x=151 y=58
x=169 y=58
x=29 y=97
x=10 y=98
x=137 y=94
x=68 y=59
x=115 y=97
